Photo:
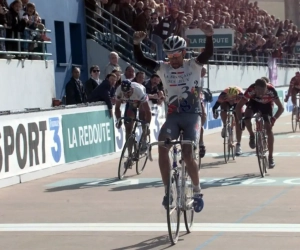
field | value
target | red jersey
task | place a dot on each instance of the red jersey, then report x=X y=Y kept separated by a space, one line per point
x=295 y=82
x=270 y=96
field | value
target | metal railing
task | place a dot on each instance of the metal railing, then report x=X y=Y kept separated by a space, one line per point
x=115 y=38
x=221 y=57
x=43 y=54
x=61 y=107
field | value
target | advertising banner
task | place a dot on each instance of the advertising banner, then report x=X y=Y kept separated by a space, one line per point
x=223 y=38
x=30 y=143
x=87 y=135
x=158 y=119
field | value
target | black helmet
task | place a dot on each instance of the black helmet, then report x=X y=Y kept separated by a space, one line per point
x=125 y=85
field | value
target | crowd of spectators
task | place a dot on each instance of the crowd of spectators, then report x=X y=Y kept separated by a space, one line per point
x=20 y=17
x=97 y=90
x=257 y=32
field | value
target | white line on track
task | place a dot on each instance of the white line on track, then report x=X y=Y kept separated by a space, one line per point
x=147 y=227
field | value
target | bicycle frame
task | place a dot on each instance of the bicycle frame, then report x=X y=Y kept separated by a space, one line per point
x=178 y=170
x=137 y=123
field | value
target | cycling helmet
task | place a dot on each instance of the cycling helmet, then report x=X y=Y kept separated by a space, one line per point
x=233 y=91
x=174 y=43
x=125 y=85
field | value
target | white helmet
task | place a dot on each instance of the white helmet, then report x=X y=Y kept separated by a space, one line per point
x=174 y=43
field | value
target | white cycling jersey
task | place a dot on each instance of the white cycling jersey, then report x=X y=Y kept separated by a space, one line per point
x=182 y=86
x=138 y=96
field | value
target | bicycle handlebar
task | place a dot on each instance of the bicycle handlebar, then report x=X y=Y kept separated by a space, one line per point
x=168 y=142
x=226 y=110
x=129 y=119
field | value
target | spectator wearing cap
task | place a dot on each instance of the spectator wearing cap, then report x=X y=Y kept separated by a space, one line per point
x=94 y=80
x=163 y=30
x=113 y=63
x=103 y=92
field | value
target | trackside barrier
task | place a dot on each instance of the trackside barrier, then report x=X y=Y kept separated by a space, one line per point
x=38 y=144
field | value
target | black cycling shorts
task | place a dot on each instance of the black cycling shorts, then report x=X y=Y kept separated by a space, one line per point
x=265 y=109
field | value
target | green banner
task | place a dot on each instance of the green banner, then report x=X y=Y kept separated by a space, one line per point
x=87 y=135
x=220 y=41
x=222 y=38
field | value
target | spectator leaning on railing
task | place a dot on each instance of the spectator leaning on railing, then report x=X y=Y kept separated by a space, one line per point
x=3 y=21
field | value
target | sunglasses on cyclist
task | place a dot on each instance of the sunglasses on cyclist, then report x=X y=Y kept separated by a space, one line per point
x=174 y=54
x=96 y=70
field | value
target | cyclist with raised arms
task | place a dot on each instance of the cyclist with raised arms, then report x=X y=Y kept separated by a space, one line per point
x=228 y=99
x=261 y=97
x=134 y=94
x=294 y=89
x=181 y=77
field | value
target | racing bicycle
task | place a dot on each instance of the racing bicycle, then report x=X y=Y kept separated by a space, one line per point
x=131 y=151
x=180 y=189
x=296 y=114
x=260 y=142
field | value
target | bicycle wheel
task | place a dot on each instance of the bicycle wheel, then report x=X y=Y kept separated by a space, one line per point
x=173 y=209
x=298 y=117
x=260 y=152
x=232 y=136
x=141 y=157
x=124 y=165
x=187 y=196
x=226 y=145
x=295 y=120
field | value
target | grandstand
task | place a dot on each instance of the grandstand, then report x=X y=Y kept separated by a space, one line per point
x=83 y=33
x=251 y=44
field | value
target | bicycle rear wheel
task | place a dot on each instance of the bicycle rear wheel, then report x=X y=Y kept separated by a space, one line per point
x=260 y=153
x=173 y=209
x=128 y=160
x=226 y=144
x=142 y=157
x=187 y=196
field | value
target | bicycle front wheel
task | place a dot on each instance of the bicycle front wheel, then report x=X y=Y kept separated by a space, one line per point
x=226 y=144
x=126 y=159
x=295 y=120
x=173 y=209
x=232 y=136
x=142 y=158
x=260 y=152
x=188 y=194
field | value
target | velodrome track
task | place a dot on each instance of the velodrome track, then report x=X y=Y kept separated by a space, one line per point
x=89 y=208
